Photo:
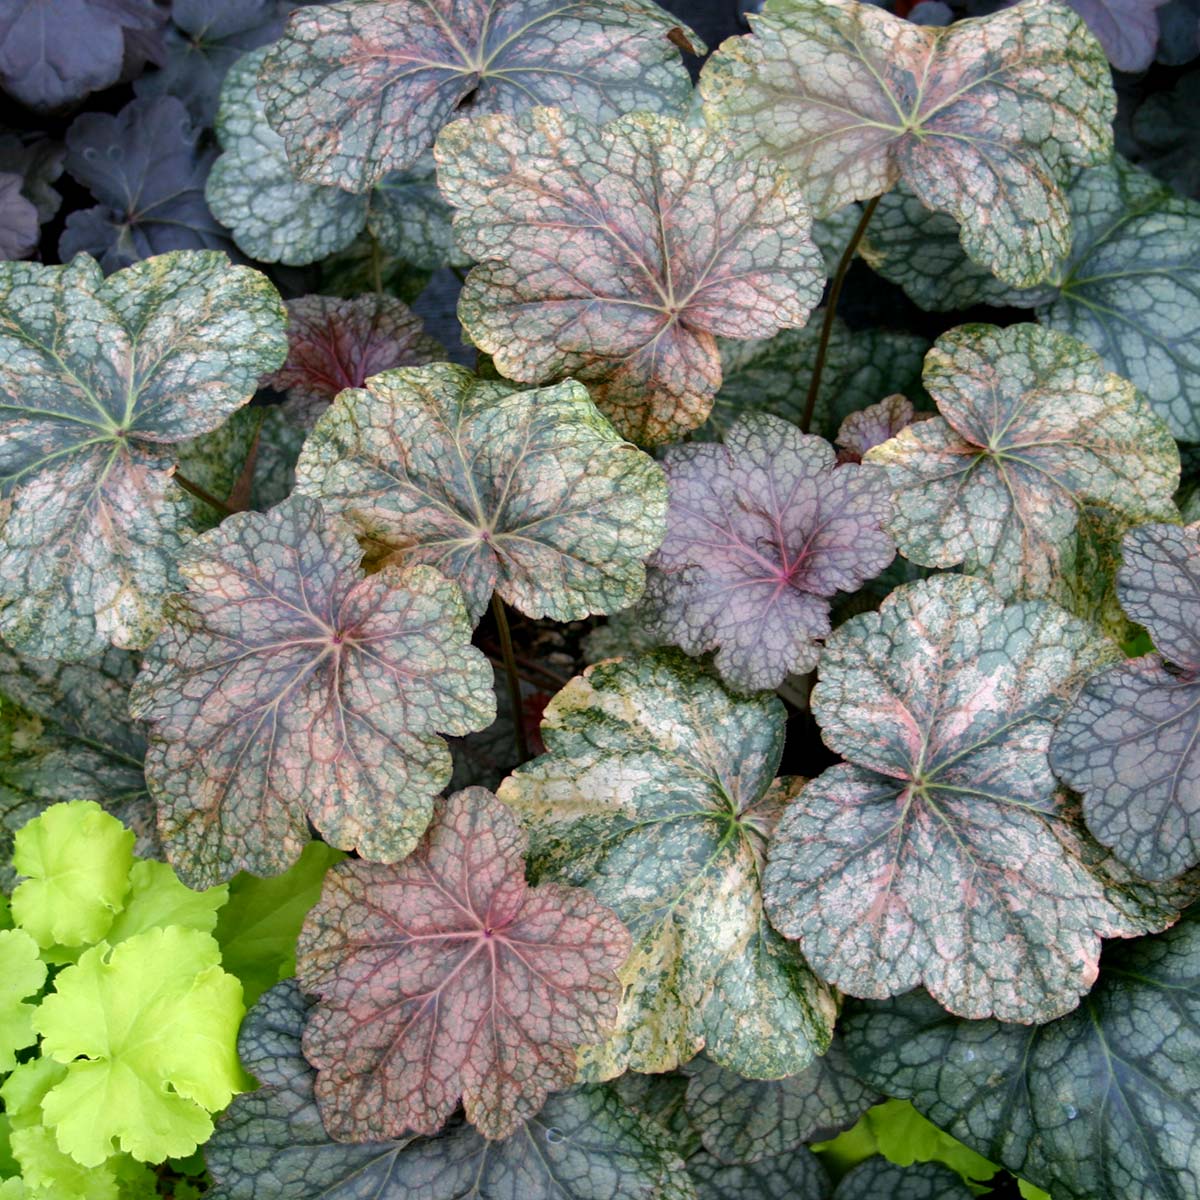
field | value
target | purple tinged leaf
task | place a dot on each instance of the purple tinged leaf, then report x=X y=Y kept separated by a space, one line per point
x=1032 y=430
x=446 y=975
x=335 y=344
x=287 y=688
x=19 y=229
x=39 y=163
x=1131 y=743
x=942 y=853
x=98 y=378
x=1127 y=29
x=585 y=1144
x=530 y=494
x=145 y=168
x=361 y=89
x=618 y=255
x=205 y=38
x=870 y=427
x=761 y=533
x=982 y=119
x=55 y=51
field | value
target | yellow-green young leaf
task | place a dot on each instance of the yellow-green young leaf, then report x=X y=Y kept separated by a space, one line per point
x=97 y=378
x=1032 y=430
x=22 y=974
x=942 y=852
x=77 y=858
x=528 y=493
x=656 y=793
x=287 y=687
x=983 y=119
x=147 y=1030
x=619 y=255
x=157 y=898
x=359 y=89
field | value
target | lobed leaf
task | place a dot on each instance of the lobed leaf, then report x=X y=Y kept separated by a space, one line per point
x=446 y=975
x=97 y=378
x=656 y=793
x=1032 y=431
x=286 y=688
x=1127 y=29
x=748 y=1120
x=37 y=162
x=146 y=168
x=22 y=974
x=361 y=89
x=146 y=1030
x=528 y=493
x=941 y=853
x=19 y=228
x=617 y=255
x=72 y=739
x=761 y=532
x=271 y=1145
x=983 y=119
x=876 y=1177
x=335 y=344
x=872 y=426
x=1131 y=742
x=1098 y=1105
x=53 y=54
x=797 y=1175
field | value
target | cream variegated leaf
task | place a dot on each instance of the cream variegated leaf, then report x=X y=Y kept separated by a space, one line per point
x=983 y=119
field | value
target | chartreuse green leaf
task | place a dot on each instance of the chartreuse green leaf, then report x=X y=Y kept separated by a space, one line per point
x=271 y=1145
x=288 y=687
x=982 y=119
x=361 y=89
x=156 y=899
x=147 y=1031
x=1032 y=430
x=66 y=734
x=1131 y=742
x=1101 y=1104
x=528 y=493
x=97 y=378
x=22 y=974
x=1129 y=287
x=942 y=853
x=447 y=976
x=258 y=926
x=77 y=859
x=619 y=255
x=657 y=794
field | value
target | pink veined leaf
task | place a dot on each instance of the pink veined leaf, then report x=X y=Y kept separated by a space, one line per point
x=619 y=255
x=761 y=532
x=287 y=688
x=872 y=426
x=361 y=88
x=335 y=344
x=982 y=119
x=446 y=975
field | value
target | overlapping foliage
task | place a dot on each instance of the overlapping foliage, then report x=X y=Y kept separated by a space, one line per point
x=880 y=798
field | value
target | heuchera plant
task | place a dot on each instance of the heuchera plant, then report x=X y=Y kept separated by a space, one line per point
x=640 y=608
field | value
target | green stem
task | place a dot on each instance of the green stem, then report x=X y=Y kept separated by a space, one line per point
x=200 y=494
x=510 y=670
x=835 y=291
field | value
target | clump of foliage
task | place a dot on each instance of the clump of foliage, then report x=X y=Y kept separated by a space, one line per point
x=637 y=606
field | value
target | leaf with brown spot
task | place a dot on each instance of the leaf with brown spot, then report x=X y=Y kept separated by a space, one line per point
x=935 y=855
x=983 y=119
x=528 y=493
x=359 y=89
x=1033 y=430
x=287 y=688
x=334 y=344
x=619 y=255
x=98 y=379
x=446 y=975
